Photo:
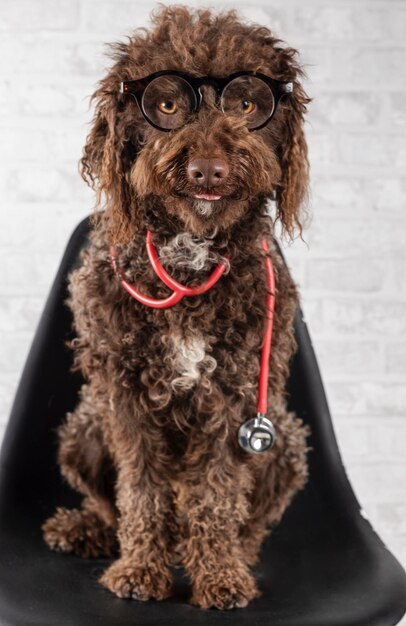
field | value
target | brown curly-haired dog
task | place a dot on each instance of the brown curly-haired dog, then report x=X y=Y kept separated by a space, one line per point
x=152 y=444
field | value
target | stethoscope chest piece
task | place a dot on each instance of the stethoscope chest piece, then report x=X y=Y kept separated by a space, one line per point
x=257 y=435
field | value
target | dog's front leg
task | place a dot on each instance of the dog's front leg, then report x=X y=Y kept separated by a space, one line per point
x=144 y=502
x=217 y=506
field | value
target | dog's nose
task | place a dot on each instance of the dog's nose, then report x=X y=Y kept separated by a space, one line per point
x=207 y=172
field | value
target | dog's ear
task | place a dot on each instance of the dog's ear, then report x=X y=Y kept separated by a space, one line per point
x=106 y=161
x=291 y=194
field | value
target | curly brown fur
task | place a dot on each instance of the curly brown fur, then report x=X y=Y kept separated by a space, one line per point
x=152 y=444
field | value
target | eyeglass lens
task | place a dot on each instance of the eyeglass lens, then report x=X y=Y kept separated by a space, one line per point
x=248 y=97
x=168 y=101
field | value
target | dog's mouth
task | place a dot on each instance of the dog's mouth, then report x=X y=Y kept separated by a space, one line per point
x=208 y=196
x=205 y=204
x=211 y=204
x=219 y=199
x=200 y=208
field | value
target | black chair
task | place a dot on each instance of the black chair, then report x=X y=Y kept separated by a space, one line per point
x=323 y=566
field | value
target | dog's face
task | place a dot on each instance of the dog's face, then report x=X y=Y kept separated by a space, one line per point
x=204 y=151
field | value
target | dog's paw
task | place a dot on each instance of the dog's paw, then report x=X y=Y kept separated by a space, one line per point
x=225 y=590
x=79 y=532
x=126 y=579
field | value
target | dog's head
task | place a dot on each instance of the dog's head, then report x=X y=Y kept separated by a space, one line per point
x=204 y=114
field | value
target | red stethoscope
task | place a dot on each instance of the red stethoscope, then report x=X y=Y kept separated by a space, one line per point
x=257 y=434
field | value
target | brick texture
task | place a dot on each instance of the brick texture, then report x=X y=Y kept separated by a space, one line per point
x=351 y=272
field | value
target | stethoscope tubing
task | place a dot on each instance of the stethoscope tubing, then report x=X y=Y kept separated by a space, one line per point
x=180 y=291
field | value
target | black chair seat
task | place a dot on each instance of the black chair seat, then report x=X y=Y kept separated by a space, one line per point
x=323 y=566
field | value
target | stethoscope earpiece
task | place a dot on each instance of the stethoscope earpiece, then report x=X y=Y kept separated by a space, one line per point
x=257 y=435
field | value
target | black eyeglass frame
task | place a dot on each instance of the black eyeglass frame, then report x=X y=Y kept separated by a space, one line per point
x=137 y=87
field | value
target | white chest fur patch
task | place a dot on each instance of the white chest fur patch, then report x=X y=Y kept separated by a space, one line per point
x=187 y=350
x=190 y=359
x=190 y=252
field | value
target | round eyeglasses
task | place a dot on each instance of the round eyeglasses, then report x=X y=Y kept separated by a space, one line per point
x=168 y=99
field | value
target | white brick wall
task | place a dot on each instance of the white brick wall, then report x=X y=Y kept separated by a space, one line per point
x=352 y=274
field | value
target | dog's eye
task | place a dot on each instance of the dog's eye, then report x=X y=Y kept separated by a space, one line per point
x=248 y=106
x=168 y=107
